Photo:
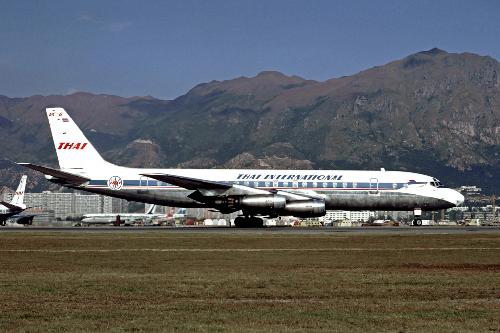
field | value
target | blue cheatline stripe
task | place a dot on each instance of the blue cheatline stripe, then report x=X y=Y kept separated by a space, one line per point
x=262 y=184
x=130 y=183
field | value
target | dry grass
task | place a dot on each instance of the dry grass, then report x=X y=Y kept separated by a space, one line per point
x=297 y=283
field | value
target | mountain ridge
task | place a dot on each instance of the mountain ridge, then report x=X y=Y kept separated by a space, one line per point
x=432 y=112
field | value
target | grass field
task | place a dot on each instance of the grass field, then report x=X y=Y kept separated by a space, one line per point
x=224 y=282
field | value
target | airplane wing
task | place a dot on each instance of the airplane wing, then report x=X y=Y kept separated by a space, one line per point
x=62 y=175
x=297 y=195
x=11 y=206
x=211 y=188
x=188 y=183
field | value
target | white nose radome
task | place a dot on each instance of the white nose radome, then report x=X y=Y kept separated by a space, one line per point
x=453 y=197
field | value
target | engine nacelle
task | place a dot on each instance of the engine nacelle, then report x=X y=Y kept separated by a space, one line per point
x=268 y=202
x=309 y=208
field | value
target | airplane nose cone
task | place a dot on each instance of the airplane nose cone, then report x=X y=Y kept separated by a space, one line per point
x=452 y=197
x=455 y=197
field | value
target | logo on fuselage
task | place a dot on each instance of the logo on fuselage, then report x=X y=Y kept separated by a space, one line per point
x=115 y=183
x=72 y=145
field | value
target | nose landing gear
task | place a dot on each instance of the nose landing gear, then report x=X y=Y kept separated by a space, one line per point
x=417 y=221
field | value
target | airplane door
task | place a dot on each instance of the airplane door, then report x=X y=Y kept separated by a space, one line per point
x=373 y=186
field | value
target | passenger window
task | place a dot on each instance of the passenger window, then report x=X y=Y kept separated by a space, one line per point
x=354 y=185
x=315 y=184
x=304 y=184
x=344 y=185
x=394 y=185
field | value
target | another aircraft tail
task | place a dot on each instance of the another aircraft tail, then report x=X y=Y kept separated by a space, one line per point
x=18 y=198
x=151 y=209
x=74 y=150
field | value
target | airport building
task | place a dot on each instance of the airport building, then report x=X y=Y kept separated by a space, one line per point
x=340 y=215
x=71 y=204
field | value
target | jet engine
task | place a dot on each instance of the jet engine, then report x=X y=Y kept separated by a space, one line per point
x=272 y=202
x=265 y=204
x=272 y=205
x=308 y=208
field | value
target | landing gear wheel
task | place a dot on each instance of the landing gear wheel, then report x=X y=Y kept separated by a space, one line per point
x=2 y=223
x=256 y=222
x=417 y=222
x=239 y=222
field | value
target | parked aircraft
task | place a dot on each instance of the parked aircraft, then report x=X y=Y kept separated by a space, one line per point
x=12 y=209
x=120 y=218
x=301 y=193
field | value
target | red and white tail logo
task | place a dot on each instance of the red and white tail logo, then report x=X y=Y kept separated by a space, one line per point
x=72 y=145
x=74 y=150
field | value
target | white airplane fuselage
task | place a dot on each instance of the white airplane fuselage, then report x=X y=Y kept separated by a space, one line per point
x=301 y=193
x=6 y=213
x=16 y=206
x=340 y=189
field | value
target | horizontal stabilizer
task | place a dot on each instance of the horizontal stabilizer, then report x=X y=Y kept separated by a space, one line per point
x=188 y=183
x=65 y=176
x=11 y=206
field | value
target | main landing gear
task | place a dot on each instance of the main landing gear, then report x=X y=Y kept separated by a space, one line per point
x=248 y=222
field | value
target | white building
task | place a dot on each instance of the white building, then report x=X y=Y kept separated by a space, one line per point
x=470 y=189
x=340 y=215
x=68 y=204
x=92 y=204
x=60 y=203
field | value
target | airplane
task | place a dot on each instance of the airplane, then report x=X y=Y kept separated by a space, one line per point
x=115 y=218
x=12 y=209
x=272 y=193
x=24 y=219
x=181 y=214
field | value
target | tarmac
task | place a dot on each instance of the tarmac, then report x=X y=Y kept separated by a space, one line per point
x=267 y=230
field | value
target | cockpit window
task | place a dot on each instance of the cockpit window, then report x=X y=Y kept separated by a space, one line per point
x=436 y=183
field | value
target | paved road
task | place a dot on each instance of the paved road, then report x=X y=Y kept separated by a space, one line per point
x=269 y=230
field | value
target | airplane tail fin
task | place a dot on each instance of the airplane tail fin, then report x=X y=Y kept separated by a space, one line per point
x=18 y=198
x=151 y=209
x=74 y=150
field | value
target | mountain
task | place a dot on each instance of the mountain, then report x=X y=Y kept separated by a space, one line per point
x=432 y=112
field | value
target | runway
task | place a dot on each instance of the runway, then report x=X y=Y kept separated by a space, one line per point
x=430 y=230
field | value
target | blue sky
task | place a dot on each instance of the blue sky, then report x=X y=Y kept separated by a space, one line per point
x=164 y=48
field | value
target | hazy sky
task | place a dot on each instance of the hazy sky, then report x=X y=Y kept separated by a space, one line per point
x=164 y=48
